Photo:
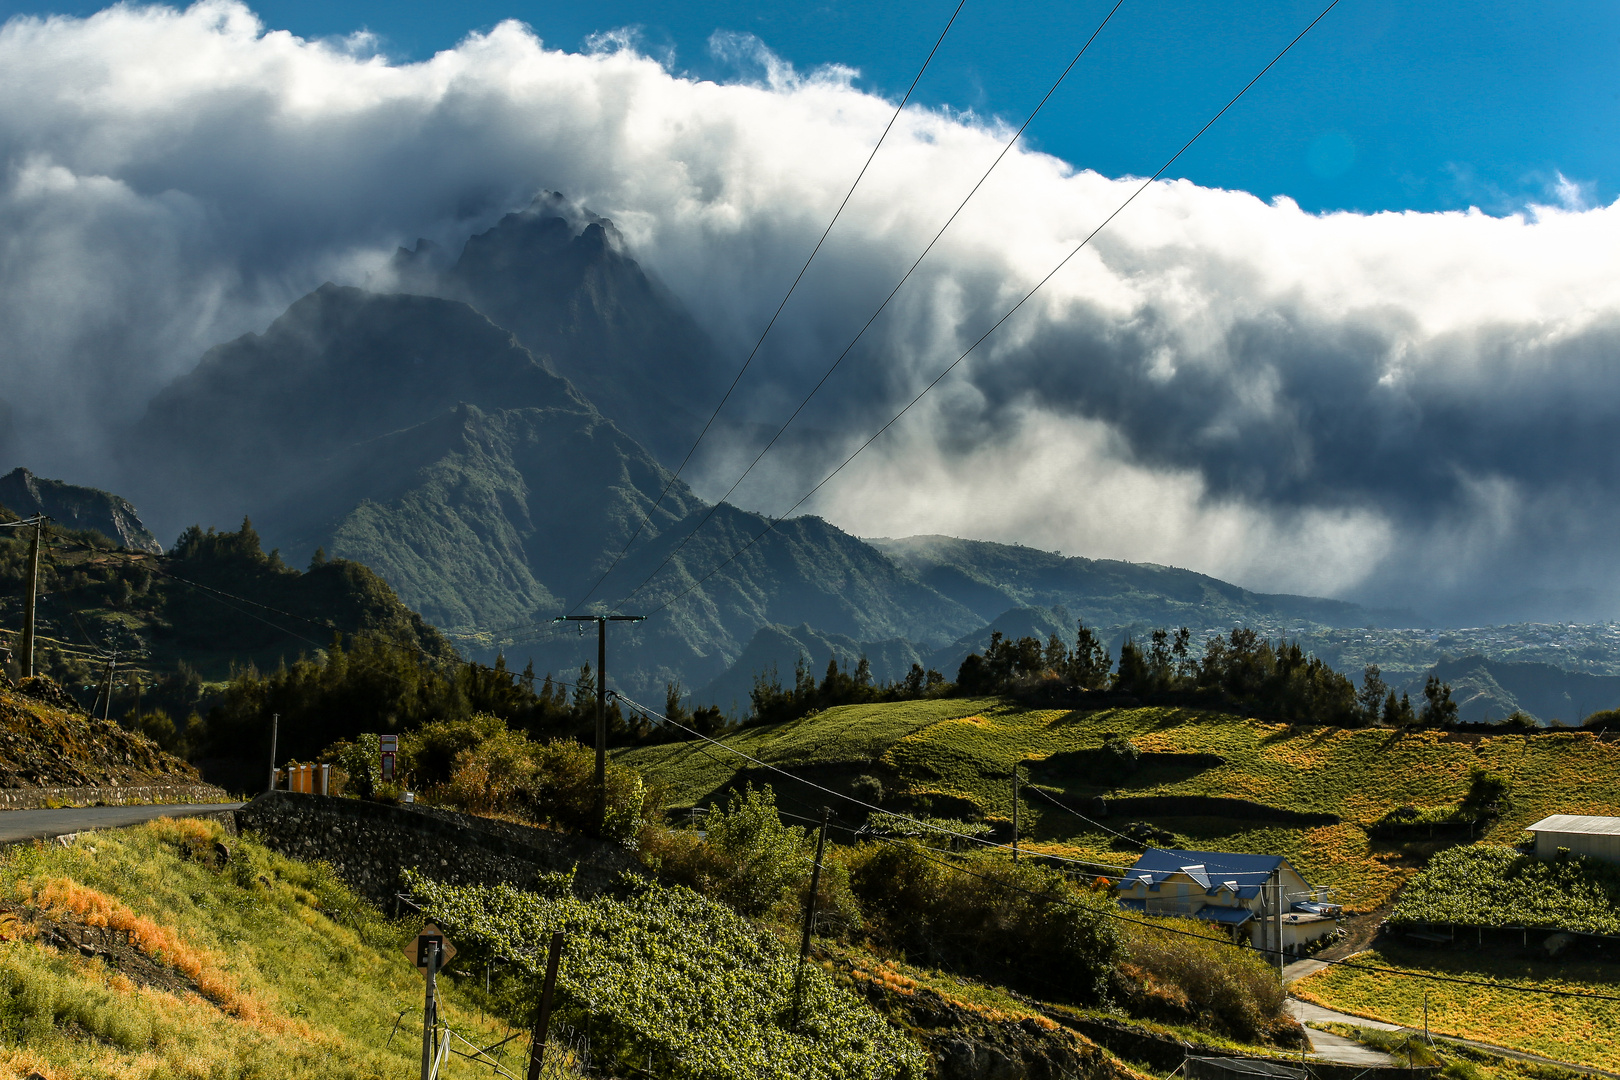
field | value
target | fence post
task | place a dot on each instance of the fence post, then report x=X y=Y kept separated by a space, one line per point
x=537 y=1048
x=809 y=916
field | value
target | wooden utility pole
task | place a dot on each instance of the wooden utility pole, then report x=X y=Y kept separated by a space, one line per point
x=542 y=1022
x=1277 y=892
x=29 y=599
x=601 y=622
x=112 y=666
x=809 y=916
x=1015 y=813
x=275 y=729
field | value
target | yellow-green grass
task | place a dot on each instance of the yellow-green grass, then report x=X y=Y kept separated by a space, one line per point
x=694 y=769
x=966 y=749
x=287 y=990
x=1578 y=1030
x=1467 y=1061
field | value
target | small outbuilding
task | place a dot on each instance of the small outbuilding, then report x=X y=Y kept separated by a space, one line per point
x=1596 y=837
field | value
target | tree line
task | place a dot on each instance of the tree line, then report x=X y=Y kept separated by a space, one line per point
x=1241 y=669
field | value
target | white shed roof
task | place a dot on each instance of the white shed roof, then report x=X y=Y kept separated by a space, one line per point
x=1576 y=823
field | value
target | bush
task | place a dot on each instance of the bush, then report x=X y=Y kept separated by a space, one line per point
x=1182 y=972
x=480 y=766
x=755 y=864
x=1016 y=923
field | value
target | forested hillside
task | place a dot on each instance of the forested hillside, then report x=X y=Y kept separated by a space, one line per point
x=173 y=627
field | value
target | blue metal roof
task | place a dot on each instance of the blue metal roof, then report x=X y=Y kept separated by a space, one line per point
x=1229 y=916
x=1243 y=874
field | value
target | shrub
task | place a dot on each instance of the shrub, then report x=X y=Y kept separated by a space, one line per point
x=1017 y=923
x=1182 y=972
x=749 y=860
x=480 y=766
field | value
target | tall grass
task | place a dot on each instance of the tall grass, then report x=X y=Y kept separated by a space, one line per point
x=298 y=978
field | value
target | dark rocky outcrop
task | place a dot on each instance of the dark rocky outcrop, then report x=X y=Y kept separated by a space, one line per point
x=79 y=508
x=46 y=741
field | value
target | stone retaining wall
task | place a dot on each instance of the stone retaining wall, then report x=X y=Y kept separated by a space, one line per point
x=370 y=844
x=38 y=798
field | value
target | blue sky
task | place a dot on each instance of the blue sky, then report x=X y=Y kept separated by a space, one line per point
x=1385 y=106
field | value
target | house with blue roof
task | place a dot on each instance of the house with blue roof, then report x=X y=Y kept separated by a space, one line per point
x=1238 y=892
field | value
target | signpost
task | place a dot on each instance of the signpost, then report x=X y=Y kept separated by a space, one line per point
x=429 y=951
x=387 y=748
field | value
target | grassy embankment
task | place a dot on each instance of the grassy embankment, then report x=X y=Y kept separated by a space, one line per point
x=959 y=753
x=1456 y=1060
x=265 y=967
x=1581 y=1030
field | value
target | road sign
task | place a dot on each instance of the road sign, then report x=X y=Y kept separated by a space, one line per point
x=418 y=949
x=387 y=747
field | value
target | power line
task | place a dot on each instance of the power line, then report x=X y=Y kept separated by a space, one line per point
x=885 y=304
x=771 y=527
x=878 y=809
x=646 y=516
x=1082 y=817
x=1120 y=916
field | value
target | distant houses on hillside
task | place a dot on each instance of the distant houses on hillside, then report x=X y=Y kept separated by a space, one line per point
x=1239 y=892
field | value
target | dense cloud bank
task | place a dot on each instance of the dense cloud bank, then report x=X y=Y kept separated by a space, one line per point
x=1409 y=409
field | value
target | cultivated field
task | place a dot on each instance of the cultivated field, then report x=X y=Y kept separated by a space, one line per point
x=954 y=757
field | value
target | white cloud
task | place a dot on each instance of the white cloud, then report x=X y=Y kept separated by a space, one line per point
x=1410 y=408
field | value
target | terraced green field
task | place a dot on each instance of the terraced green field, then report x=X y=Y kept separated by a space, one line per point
x=955 y=756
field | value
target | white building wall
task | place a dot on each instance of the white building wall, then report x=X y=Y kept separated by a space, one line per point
x=1605 y=846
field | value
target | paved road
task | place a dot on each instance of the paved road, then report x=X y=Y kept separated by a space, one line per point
x=20 y=825
x=1328 y=1045
x=1337 y=1048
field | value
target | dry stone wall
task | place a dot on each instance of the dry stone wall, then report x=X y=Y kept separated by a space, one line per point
x=370 y=845
x=37 y=798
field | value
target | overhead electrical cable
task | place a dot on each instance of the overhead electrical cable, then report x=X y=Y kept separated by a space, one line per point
x=1082 y=817
x=646 y=515
x=325 y=624
x=1121 y=916
x=881 y=307
x=650 y=712
x=771 y=527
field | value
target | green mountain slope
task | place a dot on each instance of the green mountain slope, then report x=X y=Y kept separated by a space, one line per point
x=1487 y=689
x=1214 y=781
x=413 y=435
x=989 y=578
x=184 y=618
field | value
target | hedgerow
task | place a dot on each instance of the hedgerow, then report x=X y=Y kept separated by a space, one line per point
x=1491 y=885
x=682 y=982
